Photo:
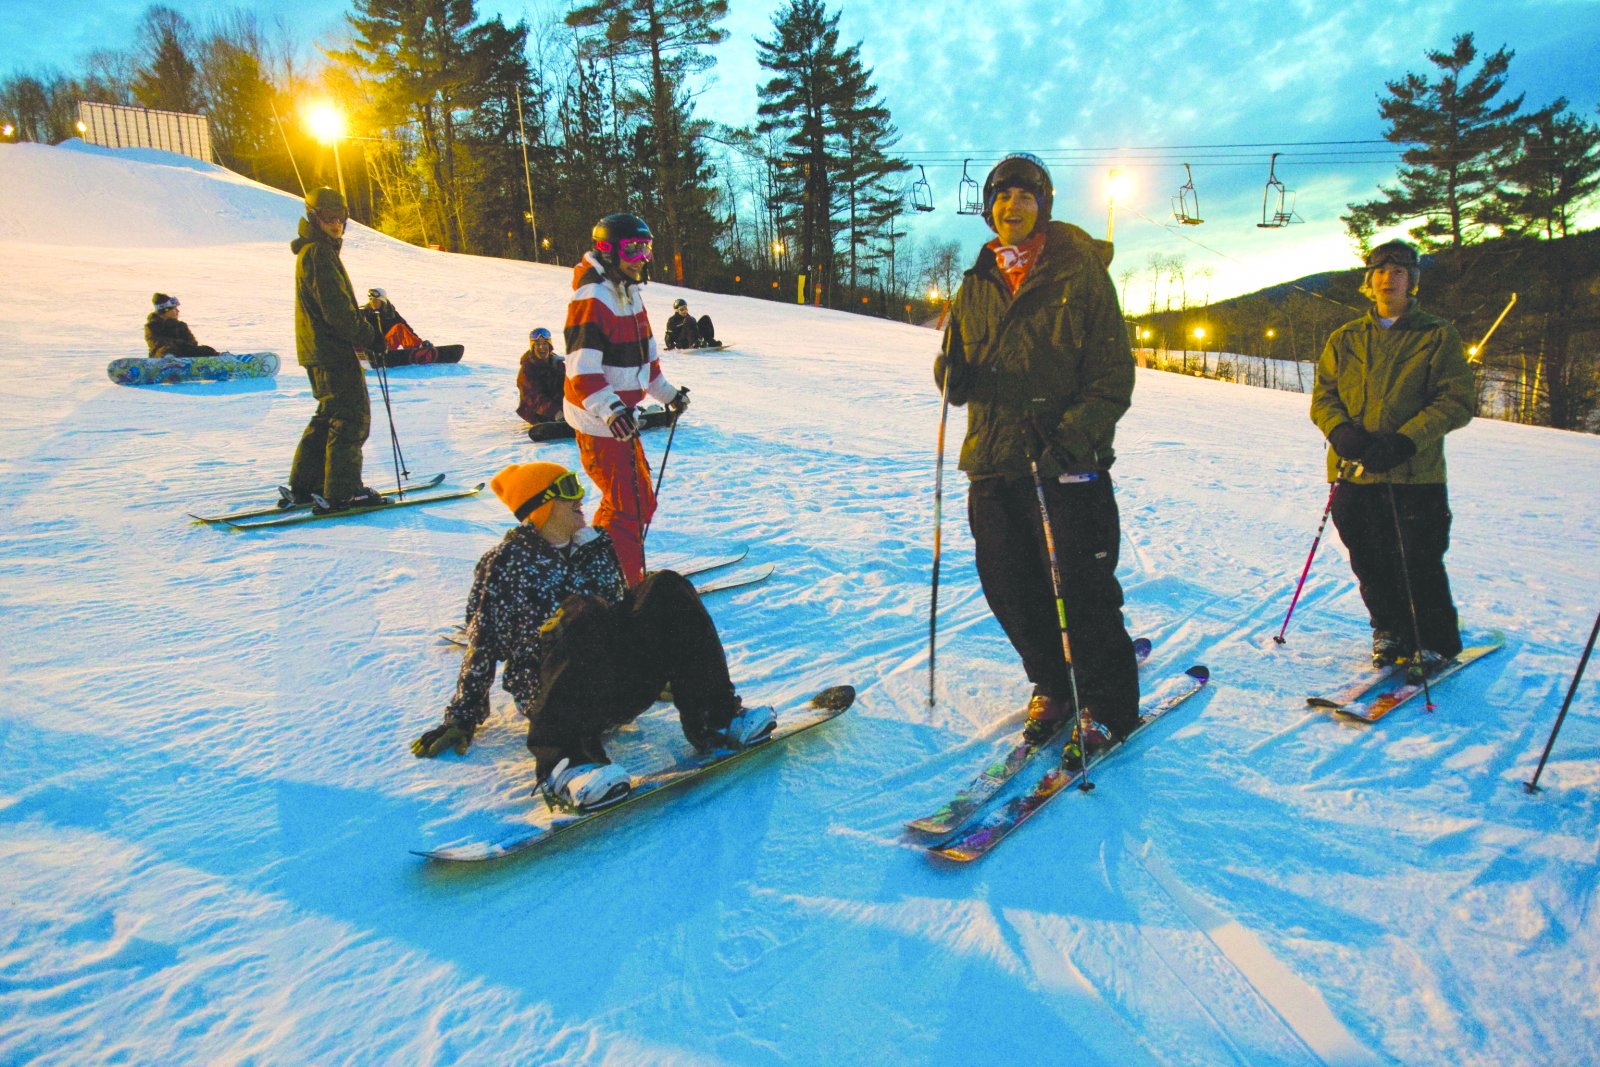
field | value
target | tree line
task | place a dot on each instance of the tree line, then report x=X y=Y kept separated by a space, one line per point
x=475 y=136
x=1490 y=193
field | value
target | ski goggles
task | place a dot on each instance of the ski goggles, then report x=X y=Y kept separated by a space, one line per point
x=565 y=487
x=168 y=304
x=333 y=216
x=539 y=334
x=1392 y=257
x=631 y=250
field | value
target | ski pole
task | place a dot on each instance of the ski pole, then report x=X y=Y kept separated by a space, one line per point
x=1533 y=786
x=661 y=473
x=1411 y=599
x=635 y=451
x=1332 y=489
x=1056 y=585
x=381 y=365
x=938 y=509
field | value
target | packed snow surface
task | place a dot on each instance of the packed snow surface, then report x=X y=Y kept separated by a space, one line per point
x=207 y=799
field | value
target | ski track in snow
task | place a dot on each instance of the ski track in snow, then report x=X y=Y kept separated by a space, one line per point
x=207 y=798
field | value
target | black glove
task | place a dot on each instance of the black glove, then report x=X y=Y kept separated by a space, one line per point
x=620 y=422
x=1349 y=440
x=679 y=402
x=448 y=734
x=1386 y=452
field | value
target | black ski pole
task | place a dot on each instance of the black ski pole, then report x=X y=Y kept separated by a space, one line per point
x=672 y=431
x=938 y=528
x=380 y=364
x=1057 y=586
x=1533 y=786
x=1321 y=526
x=636 y=450
x=1411 y=599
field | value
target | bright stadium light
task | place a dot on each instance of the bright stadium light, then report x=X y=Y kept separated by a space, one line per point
x=327 y=125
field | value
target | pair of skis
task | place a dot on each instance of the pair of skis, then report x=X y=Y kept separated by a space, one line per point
x=1370 y=698
x=961 y=834
x=265 y=517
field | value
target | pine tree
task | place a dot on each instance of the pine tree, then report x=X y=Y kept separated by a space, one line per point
x=1461 y=138
x=1555 y=173
x=238 y=96
x=663 y=41
x=169 y=81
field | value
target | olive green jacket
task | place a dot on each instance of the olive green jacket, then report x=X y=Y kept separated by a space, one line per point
x=328 y=324
x=1412 y=378
x=1055 y=356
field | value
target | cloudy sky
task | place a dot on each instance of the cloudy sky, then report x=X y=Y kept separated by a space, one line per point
x=1138 y=85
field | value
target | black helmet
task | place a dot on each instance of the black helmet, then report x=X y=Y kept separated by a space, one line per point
x=1393 y=253
x=1023 y=170
x=611 y=231
x=326 y=203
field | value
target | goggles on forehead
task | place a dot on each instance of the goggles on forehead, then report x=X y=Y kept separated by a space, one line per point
x=1392 y=257
x=565 y=487
x=631 y=250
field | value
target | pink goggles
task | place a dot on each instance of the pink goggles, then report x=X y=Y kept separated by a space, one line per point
x=632 y=250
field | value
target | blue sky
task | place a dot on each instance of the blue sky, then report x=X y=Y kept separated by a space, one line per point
x=1072 y=81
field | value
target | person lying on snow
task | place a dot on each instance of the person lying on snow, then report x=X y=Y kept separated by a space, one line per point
x=583 y=652
x=167 y=335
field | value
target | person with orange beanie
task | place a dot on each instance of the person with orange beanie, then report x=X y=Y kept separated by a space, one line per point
x=583 y=652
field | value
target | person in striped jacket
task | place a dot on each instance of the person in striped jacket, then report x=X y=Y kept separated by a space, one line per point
x=612 y=365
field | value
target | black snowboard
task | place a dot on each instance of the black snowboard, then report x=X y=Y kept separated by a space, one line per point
x=560 y=431
x=422 y=354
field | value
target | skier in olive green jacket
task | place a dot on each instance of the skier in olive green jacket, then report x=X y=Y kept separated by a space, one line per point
x=1389 y=386
x=328 y=329
x=1038 y=352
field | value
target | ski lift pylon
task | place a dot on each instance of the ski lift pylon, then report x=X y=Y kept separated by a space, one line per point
x=1186 y=205
x=969 y=200
x=1281 y=213
x=922 y=192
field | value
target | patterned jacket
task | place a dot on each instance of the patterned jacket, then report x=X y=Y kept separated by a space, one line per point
x=611 y=353
x=517 y=586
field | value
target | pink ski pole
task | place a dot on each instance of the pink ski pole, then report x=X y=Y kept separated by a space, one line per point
x=1323 y=525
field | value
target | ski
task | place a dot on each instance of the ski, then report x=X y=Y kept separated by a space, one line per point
x=255 y=513
x=1360 y=687
x=993 y=778
x=457 y=634
x=318 y=516
x=826 y=705
x=699 y=564
x=989 y=831
x=1376 y=707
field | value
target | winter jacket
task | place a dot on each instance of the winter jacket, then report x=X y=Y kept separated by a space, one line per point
x=518 y=585
x=611 y=353
x=1412 y=378
x=682 y=330
x=172 y=337
x=1055 y=356
x=328 y=324
x=539 y=385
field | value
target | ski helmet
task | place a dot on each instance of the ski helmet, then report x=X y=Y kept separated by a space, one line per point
x=1394 y=254
x=326 y=203
x=610 y=233
x=1020 y=170
x=679 y=303
x=378 y=294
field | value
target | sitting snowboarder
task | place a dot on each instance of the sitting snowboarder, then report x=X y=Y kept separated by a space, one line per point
x=167 y=335
x=540 y=378
x=396 y=331
x=686 y=331
x=583 y=652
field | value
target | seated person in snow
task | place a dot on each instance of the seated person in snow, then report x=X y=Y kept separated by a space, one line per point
x=685 y=331
x=167 y=335
x=541 y=377
x=583 y=652
x=396 y=331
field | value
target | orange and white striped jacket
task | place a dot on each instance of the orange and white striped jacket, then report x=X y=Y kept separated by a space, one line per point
x=611 y=353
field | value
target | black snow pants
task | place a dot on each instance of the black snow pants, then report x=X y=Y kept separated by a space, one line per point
x=1366 y=524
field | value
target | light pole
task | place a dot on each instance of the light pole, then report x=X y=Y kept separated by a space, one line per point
x=327 y=126
x=1117 y=184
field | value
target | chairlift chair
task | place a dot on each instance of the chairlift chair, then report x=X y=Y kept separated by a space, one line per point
x=1282 y=214
x=1186 y=205
x=969 y=199
x=922 y=192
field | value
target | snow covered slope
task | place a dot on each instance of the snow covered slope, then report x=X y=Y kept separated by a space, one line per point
x=207 y=798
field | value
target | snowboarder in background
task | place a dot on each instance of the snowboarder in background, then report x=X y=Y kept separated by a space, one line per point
x=1389 y=386
x=686 y=331
x=612 y=364
x=391 y=326
x=167 y=335
x=1037 y=350
x=583 y=652
x=330 y=331
x=541 y=375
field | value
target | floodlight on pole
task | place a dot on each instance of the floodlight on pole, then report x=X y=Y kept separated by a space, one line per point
x=327 y=126
x=1118 y=184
